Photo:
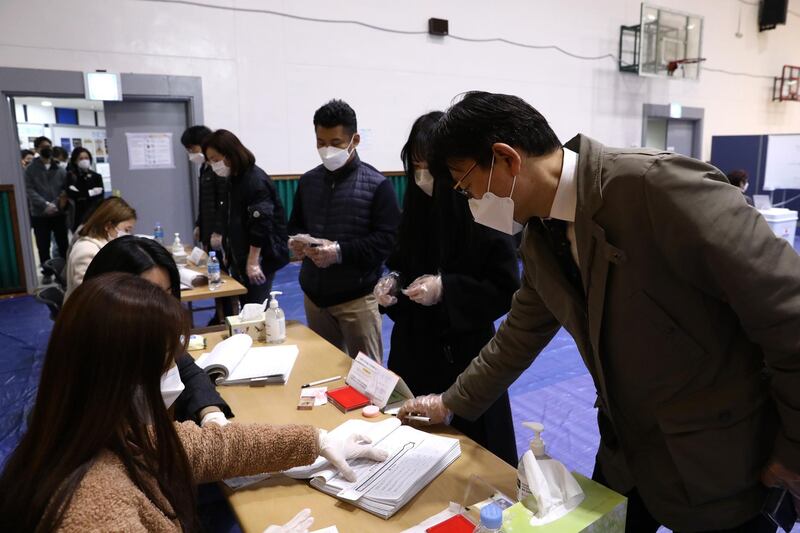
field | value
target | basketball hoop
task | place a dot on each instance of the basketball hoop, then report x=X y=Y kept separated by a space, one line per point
x=672 y=66
x=786 y=88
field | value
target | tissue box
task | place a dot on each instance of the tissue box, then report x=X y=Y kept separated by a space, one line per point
x=602 y=511
x=255 y=328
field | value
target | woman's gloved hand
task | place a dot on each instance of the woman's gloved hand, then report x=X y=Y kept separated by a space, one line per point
x=431 y=406
x=299 y=524
x=385 y=290
x=425 y=290
x=338 y=451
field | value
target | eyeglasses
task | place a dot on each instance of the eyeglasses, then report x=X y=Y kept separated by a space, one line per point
x=464 y=191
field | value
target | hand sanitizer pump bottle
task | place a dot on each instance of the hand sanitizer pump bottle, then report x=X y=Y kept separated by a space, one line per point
x=275 y=320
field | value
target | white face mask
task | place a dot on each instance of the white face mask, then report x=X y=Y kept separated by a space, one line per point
x=424 y=180
x=84 y=164
x=334 y=158
x=62 y=164
x=197 y=158
x=121 y=232
x=220 y=168
x=495 y=212
x=171 y=386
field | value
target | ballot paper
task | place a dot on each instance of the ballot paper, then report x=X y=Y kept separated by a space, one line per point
x=234 y=361
x=415 y=459
x=319 y=394
x=386 y=389
x=191 y=279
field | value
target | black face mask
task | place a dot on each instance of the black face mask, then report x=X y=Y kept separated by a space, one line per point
x=46 y=152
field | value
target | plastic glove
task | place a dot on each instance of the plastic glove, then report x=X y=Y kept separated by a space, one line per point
x=50 y=209
x=299 y=524
x=255 y=274
x=298 y=249
x=339 y=451
x=324 y=255
x=95 y=191
x=777 y=475
x=426 y=290
x=430 y=406
x=216 y=241
x=214 y=417
x=385 y=290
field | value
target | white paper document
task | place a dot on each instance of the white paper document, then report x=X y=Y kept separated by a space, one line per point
x=415 y=459
x=191 y=278
x=385 y=388
x=234 y=361
x=149 y=151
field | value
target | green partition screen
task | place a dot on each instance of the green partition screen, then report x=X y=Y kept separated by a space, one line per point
x=10 y=275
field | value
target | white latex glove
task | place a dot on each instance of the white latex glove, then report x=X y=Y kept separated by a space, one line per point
x=216 y=241
x=255 y=274
x=426 y=290
x=430 y=406
x=385 y=290
x=339 y=451
x=299 y=524
x=75 y=189
x=95 y=191
x=298 y=249
x=324 y=255
x=214 y=417
x=50 y=209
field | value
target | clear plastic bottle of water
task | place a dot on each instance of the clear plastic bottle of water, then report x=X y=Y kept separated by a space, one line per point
x=491 y=519
x=214 y=277
x=158 y=233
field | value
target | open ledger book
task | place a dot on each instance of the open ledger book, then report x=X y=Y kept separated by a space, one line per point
x=415 y=459
x=234 y=361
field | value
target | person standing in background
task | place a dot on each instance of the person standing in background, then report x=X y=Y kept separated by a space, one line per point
x=192 y=139
x=352 y=209
x=84 y=186
x=739 y=178
x=44 y=185
x=25 y=158
x=242 y=215
x=459 y=278
x=60 y=156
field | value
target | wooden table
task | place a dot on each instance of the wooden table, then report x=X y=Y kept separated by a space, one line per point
x=230 y=289
x=277 y=500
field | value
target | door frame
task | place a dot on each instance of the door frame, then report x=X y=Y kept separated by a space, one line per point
x=695 y=115
x=15 y=82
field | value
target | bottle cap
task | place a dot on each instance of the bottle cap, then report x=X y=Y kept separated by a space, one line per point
x=492 y=516
x=212 y=254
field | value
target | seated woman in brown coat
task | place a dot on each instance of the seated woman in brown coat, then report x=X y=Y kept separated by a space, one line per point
x=101 y=452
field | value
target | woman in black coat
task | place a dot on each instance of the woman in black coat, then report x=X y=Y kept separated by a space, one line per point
x=242 y=215
x=451 y=280
x=84 y=185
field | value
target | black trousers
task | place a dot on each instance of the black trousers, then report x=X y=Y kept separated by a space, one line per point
x=640 y=520
x=43 y=228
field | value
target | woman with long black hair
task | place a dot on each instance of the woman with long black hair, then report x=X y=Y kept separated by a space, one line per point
x=101 y=452
x=451 y=280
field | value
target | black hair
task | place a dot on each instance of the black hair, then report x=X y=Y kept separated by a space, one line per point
x=60 y=153
x=471 y=126
x=416 y=250
x=194 y=136
x=230 y=147
x=134 y=255
x=39 y=140
x=336 y=113
x=73 y=159
x=25 y=153
x=737 y=177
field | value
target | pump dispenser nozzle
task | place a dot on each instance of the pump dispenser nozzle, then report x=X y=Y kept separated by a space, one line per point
x=537 y=444
x=273 y=302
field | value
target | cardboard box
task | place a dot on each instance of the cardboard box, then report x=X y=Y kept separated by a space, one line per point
x=255 y=328
x=602 y=511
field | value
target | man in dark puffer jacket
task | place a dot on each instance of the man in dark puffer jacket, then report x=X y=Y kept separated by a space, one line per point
x=353 y=209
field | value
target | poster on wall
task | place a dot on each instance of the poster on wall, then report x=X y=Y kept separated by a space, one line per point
x=76 y=142
x=66 y=144
x=148 y=151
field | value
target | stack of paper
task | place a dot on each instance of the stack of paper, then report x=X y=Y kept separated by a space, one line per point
x=415 y=459
x=234 y=361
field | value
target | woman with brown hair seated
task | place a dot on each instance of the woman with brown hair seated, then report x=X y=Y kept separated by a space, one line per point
x=101 y=452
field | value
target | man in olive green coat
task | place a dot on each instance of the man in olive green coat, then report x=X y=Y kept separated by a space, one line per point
x=684 y=305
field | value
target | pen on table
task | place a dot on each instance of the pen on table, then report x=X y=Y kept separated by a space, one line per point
x=416 y=418
x=320 y=382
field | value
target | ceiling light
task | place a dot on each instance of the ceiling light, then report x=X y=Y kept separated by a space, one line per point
x=47 y=103
x=690 y=27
